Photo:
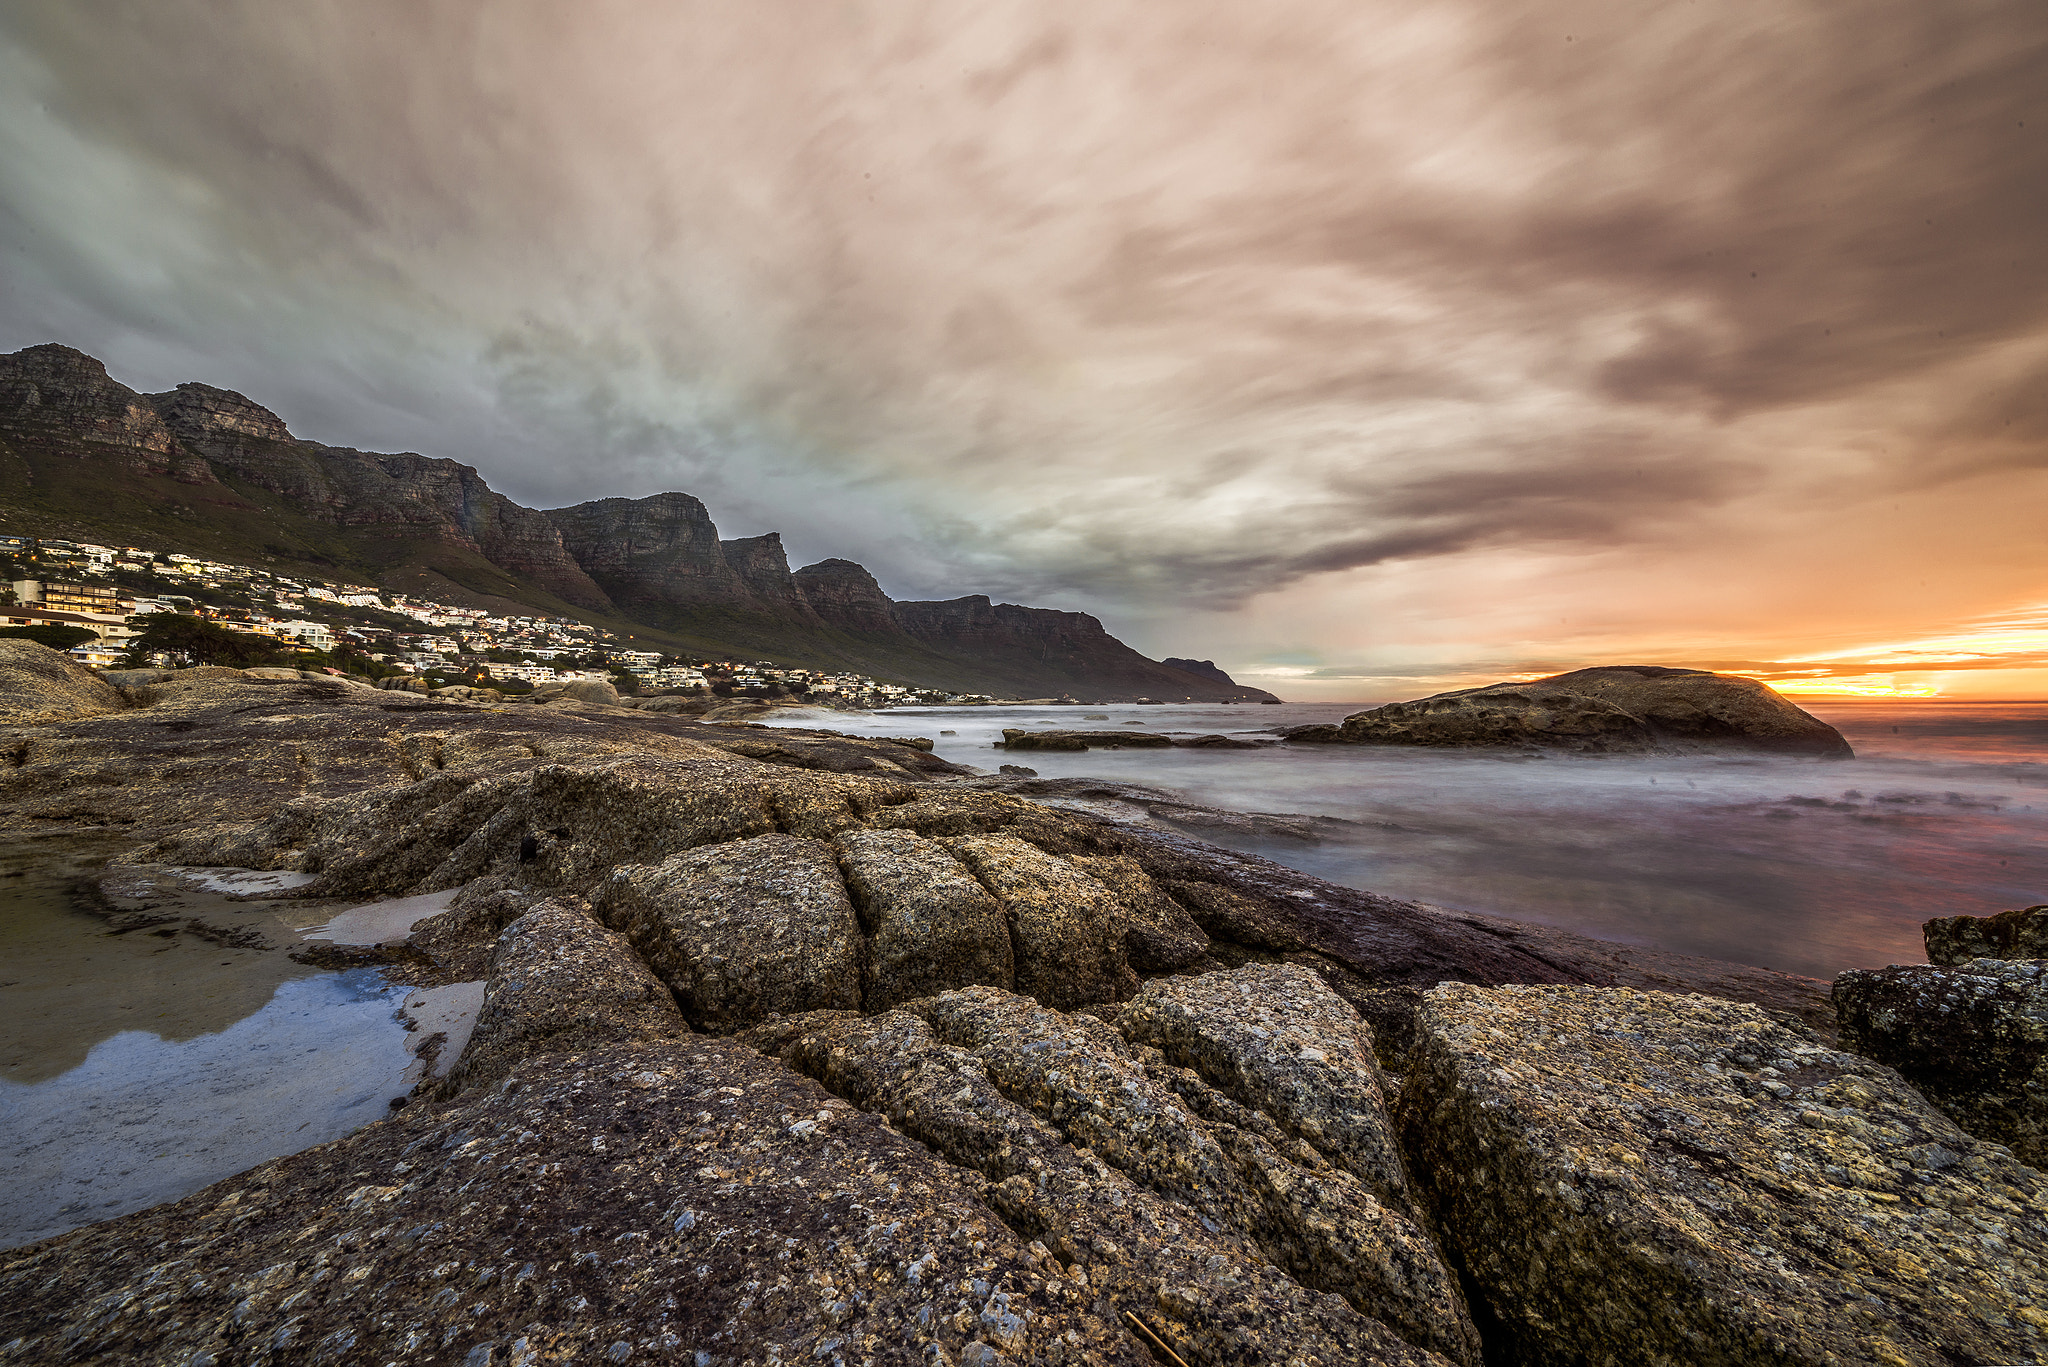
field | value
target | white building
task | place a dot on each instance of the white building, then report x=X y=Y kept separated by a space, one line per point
x=318 y=635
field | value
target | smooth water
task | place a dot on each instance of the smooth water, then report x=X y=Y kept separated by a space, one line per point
x=1806 y=866
x=144 y=1119
x=137 y=1067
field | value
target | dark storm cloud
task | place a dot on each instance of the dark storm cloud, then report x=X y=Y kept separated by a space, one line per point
x=1106 y=302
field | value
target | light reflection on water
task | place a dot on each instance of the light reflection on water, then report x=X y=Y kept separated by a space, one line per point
x=145 y=1119
x=1805 y=866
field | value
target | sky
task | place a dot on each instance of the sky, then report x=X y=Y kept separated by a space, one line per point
x=1366 y=348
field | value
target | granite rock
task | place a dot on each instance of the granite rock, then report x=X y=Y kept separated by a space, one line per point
x=44 y=685
x=560 y=982
x=1065 y=926
x=1015 y=739
x=672 y=1201
x=598 y=691
x=1210 y=1293
x=1275 y=1038
x=1613 y=709
x=742 y=930
x=583 y=819
x=1327 y=1229
x=931 y=925
x=1158 y=934
x=2018 y=934
x=1632 y=1177
x=1973 y=1039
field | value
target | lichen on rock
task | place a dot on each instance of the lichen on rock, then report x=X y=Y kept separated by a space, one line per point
x=2021 y=933
x=1973 y=1039
x=560 y=982
x=931 y=924
x=1636 y=1177
x=742 y=930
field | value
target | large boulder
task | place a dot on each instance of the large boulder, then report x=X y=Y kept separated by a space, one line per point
x=599 y=691
x=1068 y=929
x=1973 y=1039
x=1275 y=1038
x=558 y=982
x=2018 y=934
x=742 y=930
x=38 y=684
x=1159 y=934
x=1615 y=709
x=932 y=926
x=1636 y=1177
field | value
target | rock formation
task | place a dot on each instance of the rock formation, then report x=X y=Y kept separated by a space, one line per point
x=847 y=596
x=81 y=454
x=661 y=559
x=54 y=394
x=90 y=451
x=1040 y=652
x=2018 y=934
x=43 y=685
x=1973 y=1038
x=1206 y=668
x=1015 y=738
x=831 y=1054
x=1636 y=1177
x=1614 y=709
x=648 y=552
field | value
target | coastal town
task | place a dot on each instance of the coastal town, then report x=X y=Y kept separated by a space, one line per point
x=109 y=595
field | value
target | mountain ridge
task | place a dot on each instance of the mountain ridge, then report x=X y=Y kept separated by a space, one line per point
x=211 y=471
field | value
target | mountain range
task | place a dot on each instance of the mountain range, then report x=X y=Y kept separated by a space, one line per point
x=210 y=472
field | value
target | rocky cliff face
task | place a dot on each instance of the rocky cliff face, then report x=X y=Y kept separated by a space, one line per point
x=763 y=569
x=54 y=393
x=1044 y=651
x=661 y=558
x=846 y=595
x=436 y=525
x=1206 y=668
x=59 y=404
x=404 y=495
x=648 y=552
x=199 y=411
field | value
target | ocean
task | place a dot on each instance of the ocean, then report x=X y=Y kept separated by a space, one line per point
x=1805 y=866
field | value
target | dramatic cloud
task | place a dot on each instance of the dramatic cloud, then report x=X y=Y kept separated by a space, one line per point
x=1345 y=338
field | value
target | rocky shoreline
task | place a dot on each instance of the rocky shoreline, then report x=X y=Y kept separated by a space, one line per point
x=795 y=1046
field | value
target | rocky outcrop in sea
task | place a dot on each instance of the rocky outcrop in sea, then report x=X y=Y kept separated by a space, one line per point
x=1614 y=709
x=796 y=1048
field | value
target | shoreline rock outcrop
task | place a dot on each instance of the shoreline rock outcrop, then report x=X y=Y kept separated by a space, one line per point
x=1614 y=709
x=1973 y=1038
x=2021 y=933
x=1635 y=1177
x=827 y=1053
x=43 y=685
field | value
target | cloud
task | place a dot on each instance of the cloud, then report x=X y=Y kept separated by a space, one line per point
x=1156 y=310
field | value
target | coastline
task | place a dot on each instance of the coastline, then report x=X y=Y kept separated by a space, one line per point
x=824 y=1111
